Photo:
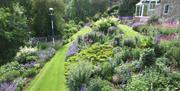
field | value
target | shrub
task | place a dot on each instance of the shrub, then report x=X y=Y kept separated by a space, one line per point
x=94 y=37
x=148 y=57
x=162 y=62
x=97 y=84
x=145 y=42
x=137 y=66
x=11 y=66
x=20 y=84
x=159 y=50
x=13 y=31
x=136 y=52
x=130 y=43
x=153 y=20
x=78 y=75
x=97 y=53
x=152 y=79
x=117 y=41
x=42 y=46
x=104 y=24
x=113 y=10
x=11 y=75
x=70 y=28
x=26 y=54
x=30 y=72
x=173 y=55
x=124 y=72
x=117 y=58
x=125 y=54
x=137 y=84
x=106 y=71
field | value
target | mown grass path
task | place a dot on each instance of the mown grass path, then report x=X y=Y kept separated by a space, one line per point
x=51 y=77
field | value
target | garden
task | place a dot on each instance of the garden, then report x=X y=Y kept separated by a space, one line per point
x=85 y=45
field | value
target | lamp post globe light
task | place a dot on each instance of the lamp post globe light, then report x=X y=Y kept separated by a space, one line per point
x=51 y=10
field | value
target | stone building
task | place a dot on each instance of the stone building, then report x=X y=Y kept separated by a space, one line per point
x=163 y=8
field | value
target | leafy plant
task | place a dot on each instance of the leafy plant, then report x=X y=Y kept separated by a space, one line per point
x=97 y=84
x=80 y=74
x=173 y=55
x=104 y=24
x=148 y=57
x=130 y=43
x=26 y=54
x=30 y=73
x=106 y=71
x=97 y=53
x=11 y=75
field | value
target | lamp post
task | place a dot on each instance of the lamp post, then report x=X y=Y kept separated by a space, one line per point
x=52 y=22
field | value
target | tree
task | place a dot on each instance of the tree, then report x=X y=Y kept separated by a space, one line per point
x=41 y=19
x=13 y=31
x=127 y=7
x=81 y=9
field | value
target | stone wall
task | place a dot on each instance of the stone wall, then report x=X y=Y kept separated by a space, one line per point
x=174 y=10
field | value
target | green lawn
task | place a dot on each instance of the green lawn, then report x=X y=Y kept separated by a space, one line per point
x=51 y=77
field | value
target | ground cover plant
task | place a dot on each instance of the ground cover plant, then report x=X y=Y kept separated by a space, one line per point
x=86 y=45
x=135 y=60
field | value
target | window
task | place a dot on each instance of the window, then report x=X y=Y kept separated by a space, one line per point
x=166 y=8
x=152 y=5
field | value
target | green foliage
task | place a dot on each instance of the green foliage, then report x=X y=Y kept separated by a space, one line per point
x=30 y=72
x=81 y=9
x=162 y=62
x=11 y=75
x=104 y=24
x=26 y=54
x=173 y=54
x=97 y=84
x=137 y=84
x=95 y=37
x=125 y=54
x=148 y=57
x=41 y=20
x=13 y=31
x=80 y=74
x=113 y=10
x=106 y=71
x=42 y=46
x=136 y=52
x=70 y=28
x=152 y=79
x=145 y=42
x=96 y=53
x=130 y=43
x=124 y=72
x=127 y=7
x=10 y=71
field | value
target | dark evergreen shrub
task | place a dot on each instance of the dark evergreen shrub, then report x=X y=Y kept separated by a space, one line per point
x=148 y=57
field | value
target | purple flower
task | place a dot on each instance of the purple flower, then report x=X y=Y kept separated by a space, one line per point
x=136 y=24
x=157 y=39
x=112 y=29
x=83 y=88
x=73 y=49
x=7 y=86
x=29 y=65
